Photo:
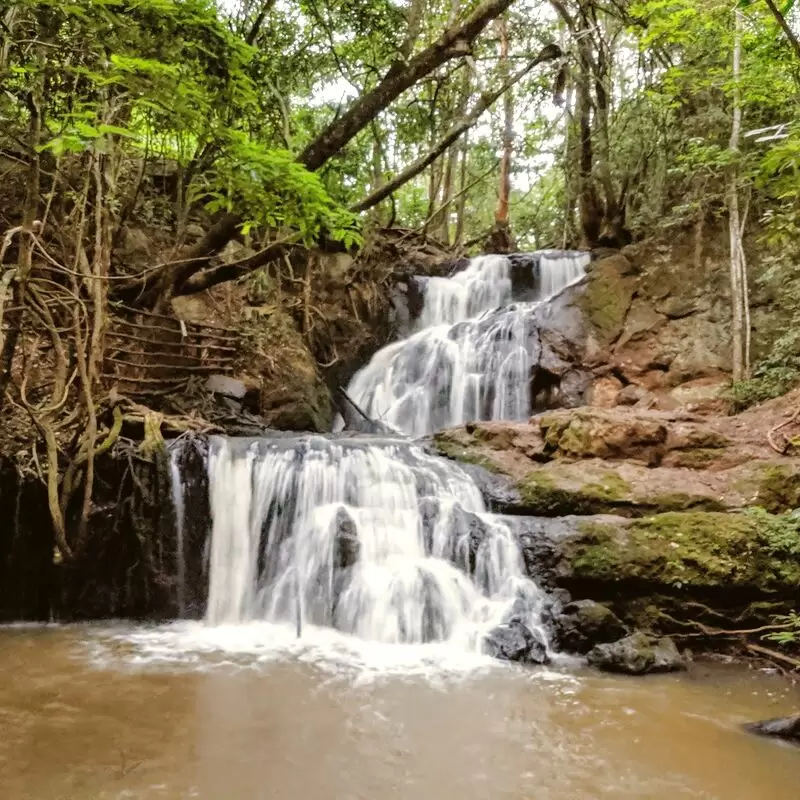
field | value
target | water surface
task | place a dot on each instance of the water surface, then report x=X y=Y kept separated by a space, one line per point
x=89 y=712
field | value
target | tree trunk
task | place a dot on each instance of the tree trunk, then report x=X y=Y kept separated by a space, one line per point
x=739 y=299
x=463 y=190
x=504 y=191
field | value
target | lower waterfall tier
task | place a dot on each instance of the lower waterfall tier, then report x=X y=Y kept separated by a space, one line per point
x=372 y=537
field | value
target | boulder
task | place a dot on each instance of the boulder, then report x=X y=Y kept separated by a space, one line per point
x=583 y=624
x=787 y=728
x=637 y=654
x=514 y=641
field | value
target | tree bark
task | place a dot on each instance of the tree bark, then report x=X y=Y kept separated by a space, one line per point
x=739 y=299
x=549 y=52
x=504 y=193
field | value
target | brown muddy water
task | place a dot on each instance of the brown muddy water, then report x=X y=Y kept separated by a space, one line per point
x=88 y=712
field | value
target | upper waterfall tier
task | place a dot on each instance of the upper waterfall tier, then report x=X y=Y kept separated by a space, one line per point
x=472 y=352
x=372 y=537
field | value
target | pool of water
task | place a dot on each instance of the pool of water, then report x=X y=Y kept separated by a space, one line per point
x=249 y=712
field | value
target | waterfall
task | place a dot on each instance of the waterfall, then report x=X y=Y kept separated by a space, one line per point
x=472 y=352
x=372 y=537
x=178 y=504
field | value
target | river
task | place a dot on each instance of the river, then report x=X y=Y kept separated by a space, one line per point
x=248 y=712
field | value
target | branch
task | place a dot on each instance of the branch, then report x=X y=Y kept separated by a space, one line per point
x=207 y=278
x=781 y=20
x=259 y=21
x=487 y=98
x=453 y=43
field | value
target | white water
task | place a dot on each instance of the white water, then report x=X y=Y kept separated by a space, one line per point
x=415 y=579
x=472 y=354
x=176 y=480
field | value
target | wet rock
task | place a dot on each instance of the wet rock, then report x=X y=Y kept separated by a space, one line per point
x=429 y=511
x=582 y=624
x=637 y=654
x=787 y=728
x=470 y=525
x=514 y=641
x=346 y=546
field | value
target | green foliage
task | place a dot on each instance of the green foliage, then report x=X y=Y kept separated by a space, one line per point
x=780 y=533
x=270 y=188
x=789 y=636
x=773 y=376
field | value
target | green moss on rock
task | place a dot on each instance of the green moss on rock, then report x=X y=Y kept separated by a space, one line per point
x=779 y=489
x=450 y=448
x=697 y=549
x=606 y=299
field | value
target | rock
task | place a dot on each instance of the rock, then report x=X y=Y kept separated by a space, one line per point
x=346 y=547
x=227 y=386
x=582 y=624
x=692 y=551
x=608 y=296
x=468 y=524
x=637 y=654
x=588 y=433
x=194 y=232
x=641 y=322
x=787 y=728
x=704 y=395
x=135 y=245
x=633 y=394
x=513 y=641
x=605 y=392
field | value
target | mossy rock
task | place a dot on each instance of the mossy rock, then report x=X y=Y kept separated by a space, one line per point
x=548 y=492
x=455 y=450
x=779 y=489
x=708 y=550
x=607 y=298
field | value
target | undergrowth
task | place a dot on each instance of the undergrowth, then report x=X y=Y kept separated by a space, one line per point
x=774 y=376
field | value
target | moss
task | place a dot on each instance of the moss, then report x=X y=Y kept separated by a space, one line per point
x=696 y=457
x=779 y=489
x=699 y=549
x=610 y=487
x=681 y=501
x=459 y=452
x=540 y=495
x=606 y=301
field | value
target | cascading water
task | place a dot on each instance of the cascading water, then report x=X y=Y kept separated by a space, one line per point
x=472 y=353
x=372 y=537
